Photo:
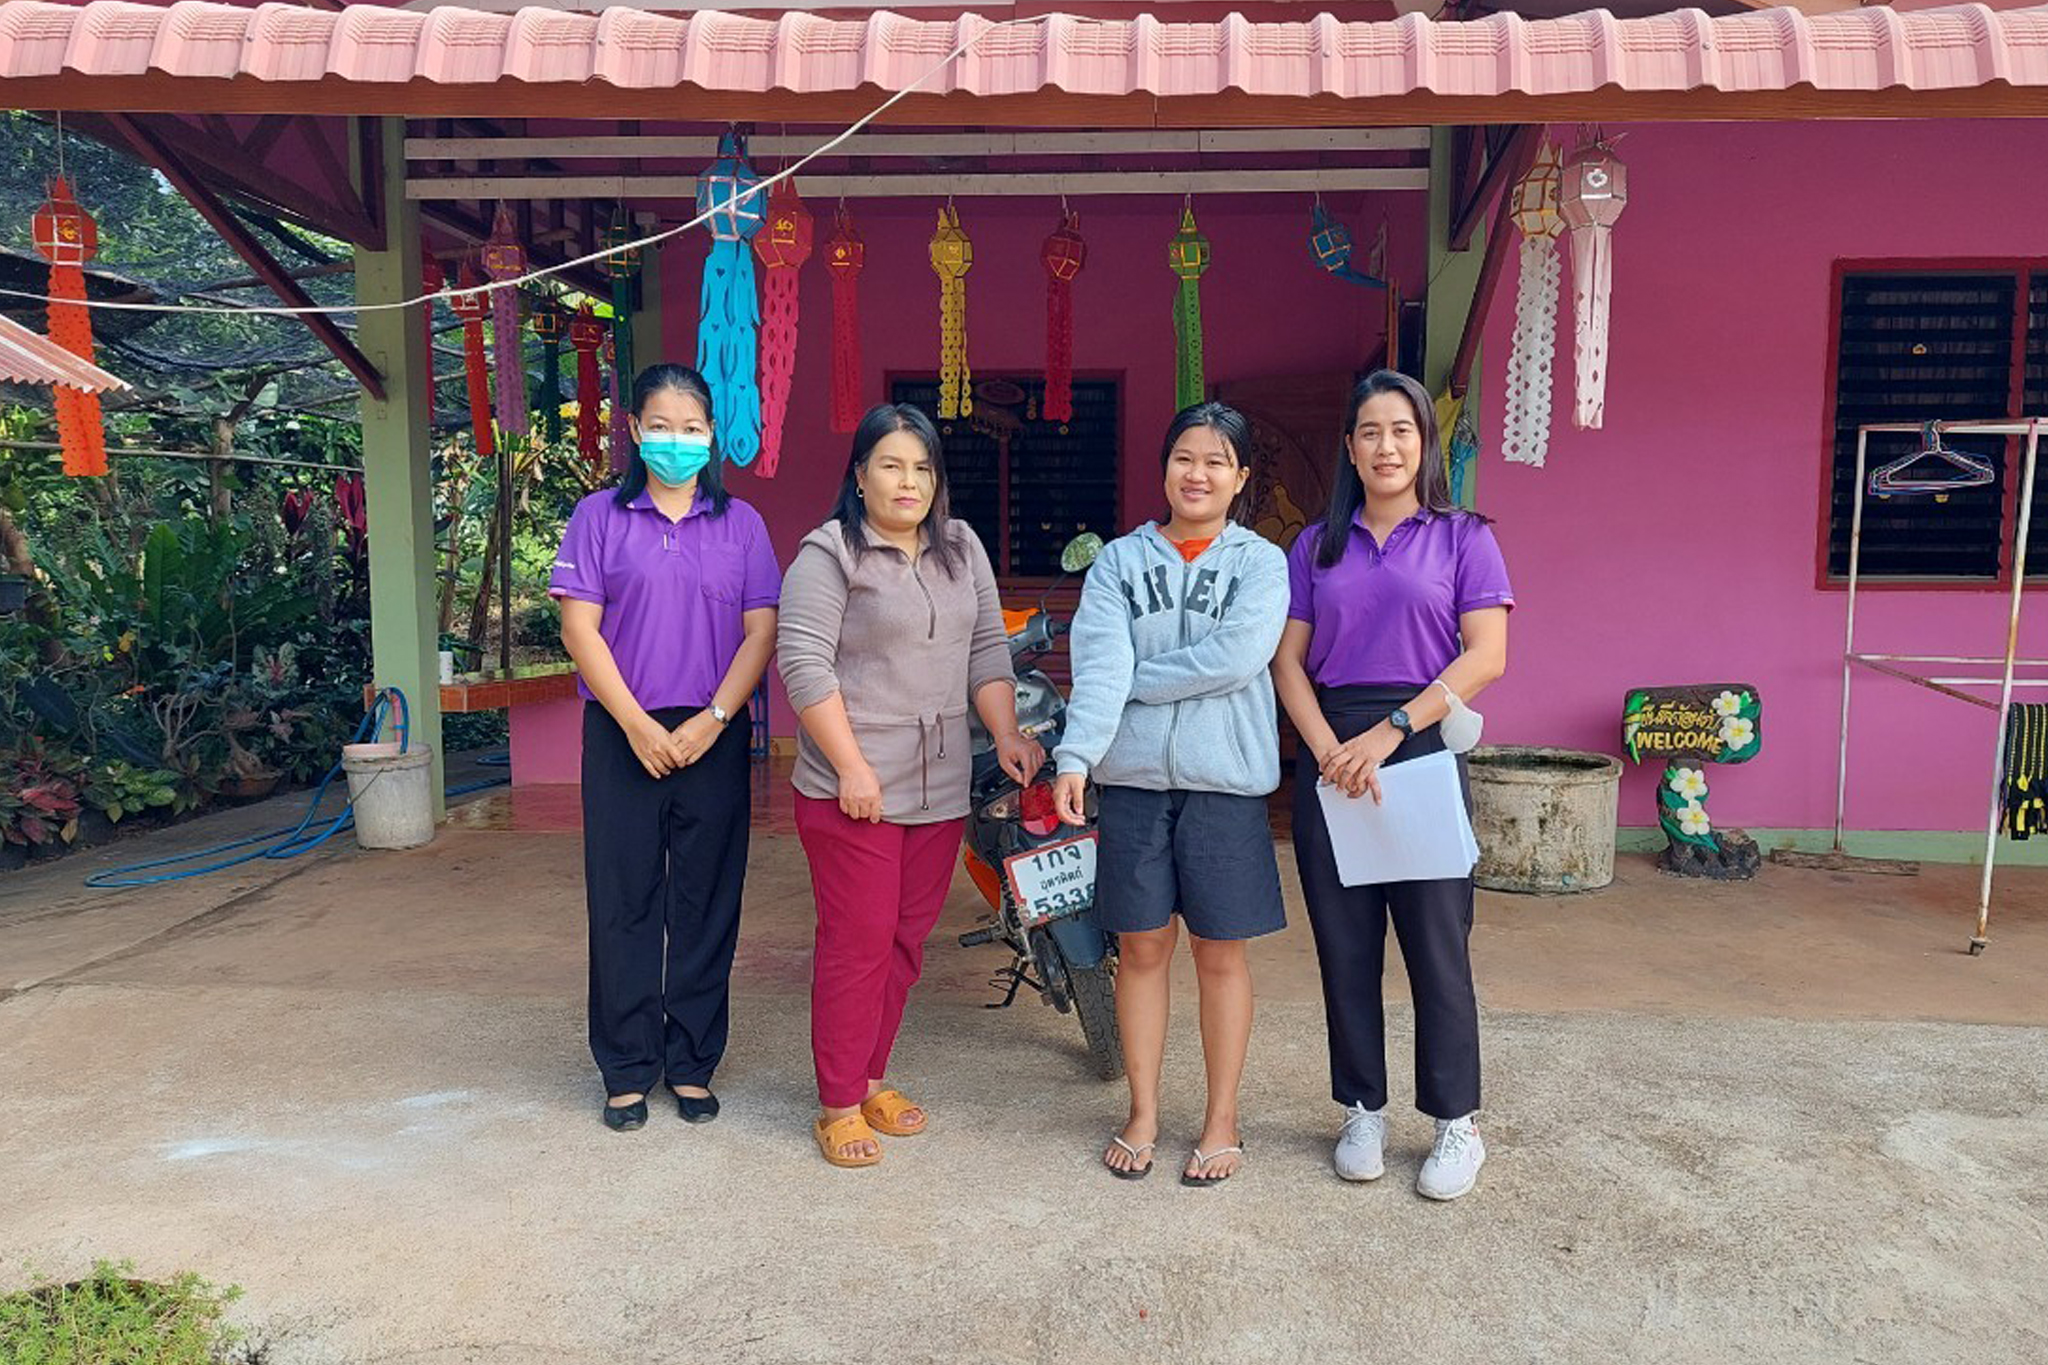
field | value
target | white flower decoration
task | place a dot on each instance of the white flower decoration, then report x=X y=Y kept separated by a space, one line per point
x=1689 y=783
x=1727 y=704
x=1738 y=733
x=1693 y=820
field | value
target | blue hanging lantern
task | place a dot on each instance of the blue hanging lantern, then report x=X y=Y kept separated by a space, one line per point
x=1330 y=243
x=728 y=328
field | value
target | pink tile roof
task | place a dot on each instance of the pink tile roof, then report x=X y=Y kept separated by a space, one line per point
x=1868 y=49
x=26 y=358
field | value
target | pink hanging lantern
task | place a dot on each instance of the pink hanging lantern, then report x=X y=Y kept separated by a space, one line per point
x=1593 y=194
x=783 y=244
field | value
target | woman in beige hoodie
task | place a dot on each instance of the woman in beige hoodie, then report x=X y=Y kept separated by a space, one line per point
x=890 y=629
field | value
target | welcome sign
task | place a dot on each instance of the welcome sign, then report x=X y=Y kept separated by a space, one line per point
x=1715 y=723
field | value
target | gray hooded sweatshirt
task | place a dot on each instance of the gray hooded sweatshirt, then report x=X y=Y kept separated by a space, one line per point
x=1170 y=689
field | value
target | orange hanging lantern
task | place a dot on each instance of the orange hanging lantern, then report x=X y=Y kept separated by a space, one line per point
x=66 y=236
x=1064 y=253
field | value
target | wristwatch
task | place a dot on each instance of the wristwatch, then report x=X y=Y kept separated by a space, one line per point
x=720 y=714
x=1399 y=720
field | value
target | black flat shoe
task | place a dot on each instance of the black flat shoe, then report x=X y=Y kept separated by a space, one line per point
x=697 y=1108
x=624 y=1118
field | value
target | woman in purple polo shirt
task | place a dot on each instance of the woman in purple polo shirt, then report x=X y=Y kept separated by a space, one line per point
x=668 y=588
x=1399 y=615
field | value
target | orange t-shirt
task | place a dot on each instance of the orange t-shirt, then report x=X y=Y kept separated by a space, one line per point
x=1191 y=550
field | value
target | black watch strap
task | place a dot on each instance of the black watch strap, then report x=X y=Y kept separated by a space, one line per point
x=1399 y=720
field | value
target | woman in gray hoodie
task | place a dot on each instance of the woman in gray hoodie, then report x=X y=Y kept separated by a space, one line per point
x=1172 y=714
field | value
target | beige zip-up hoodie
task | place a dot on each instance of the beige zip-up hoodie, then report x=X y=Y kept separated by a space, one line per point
x=906 y=645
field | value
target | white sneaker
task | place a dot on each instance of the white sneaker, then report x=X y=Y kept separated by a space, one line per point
x=1453 y=1166
x=1361 y=1144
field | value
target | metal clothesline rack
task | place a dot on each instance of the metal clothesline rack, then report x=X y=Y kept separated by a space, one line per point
x=2029 y=428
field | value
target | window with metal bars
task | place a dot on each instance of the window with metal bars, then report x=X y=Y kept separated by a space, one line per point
x=1026 y=485
x=1925 y=344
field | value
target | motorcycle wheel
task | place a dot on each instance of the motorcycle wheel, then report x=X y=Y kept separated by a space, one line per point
x=1094 y=993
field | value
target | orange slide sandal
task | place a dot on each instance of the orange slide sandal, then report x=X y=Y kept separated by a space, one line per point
x=884 y=1112
x=832 y=1134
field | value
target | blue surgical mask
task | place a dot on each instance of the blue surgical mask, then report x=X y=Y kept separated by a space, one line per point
x=674 y=457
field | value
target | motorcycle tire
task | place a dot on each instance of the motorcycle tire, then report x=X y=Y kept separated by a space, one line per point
x=1093 y=990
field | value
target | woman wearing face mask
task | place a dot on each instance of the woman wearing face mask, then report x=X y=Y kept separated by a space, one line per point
x=890 y=628
x=1172 y=713
x=668 y=588
x=1399 y=614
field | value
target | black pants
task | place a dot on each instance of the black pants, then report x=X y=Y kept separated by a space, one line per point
x=663 y=863
x=1433 y=920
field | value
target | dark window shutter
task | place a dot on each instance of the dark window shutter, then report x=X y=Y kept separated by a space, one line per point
x=2036 y=405
x=1913 y=348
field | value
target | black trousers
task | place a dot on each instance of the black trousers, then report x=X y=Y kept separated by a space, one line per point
x=1433 y=920
x=663 y=863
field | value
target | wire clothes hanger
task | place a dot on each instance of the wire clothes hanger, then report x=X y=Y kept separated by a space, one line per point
x=1958 y=469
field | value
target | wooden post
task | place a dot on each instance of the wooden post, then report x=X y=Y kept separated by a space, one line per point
x=648 y=346
x=397 y=455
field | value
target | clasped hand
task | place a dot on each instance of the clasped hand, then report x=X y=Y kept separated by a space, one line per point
x=1353 y=767
x=661 y=750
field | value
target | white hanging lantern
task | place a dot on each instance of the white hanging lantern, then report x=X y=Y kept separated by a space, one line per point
x=1594 y=193
x=1526 y=438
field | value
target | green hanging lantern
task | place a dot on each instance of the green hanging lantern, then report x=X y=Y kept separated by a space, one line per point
x=623 y=267
x=549 y=321
x=1188 y=254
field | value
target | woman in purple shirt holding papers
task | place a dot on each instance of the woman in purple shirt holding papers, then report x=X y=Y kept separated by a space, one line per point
x=668 y=588
x=1399 y=615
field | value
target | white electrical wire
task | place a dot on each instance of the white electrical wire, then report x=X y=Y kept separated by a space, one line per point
x=759 y=194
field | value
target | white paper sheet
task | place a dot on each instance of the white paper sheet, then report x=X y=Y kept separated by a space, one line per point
x=1419 y=833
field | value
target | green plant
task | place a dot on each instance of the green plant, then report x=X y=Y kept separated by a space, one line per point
x=118 y=789
x=112 y=1317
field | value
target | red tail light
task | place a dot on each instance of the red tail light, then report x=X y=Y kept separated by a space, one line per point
x=1041 y=816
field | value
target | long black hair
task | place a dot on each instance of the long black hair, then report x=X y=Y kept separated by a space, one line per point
x=885 y=419
x=1347 y=490
x=1228 y=423
x=686 y=381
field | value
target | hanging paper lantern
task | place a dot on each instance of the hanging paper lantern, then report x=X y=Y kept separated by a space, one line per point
x=1188 y=254
x=1525 y=437
x=620 y=387
x=622 y=266
x=783 y=245
x=586 y=338
x=505 y=260
x=1329 y=241
x=471 y=309
x=66 y=236
x=1064 y=254
x=845 y=254
x=548 y=321
x=952 y=258
x=1594 y=192
x=432 y=281
x=727 y=335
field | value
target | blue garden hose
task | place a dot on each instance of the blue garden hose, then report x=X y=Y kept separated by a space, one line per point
x=289 y=840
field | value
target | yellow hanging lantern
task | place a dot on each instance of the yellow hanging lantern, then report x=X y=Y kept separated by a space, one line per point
x=952 y=258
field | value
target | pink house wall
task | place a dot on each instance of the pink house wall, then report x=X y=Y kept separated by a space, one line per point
x=1678 y=543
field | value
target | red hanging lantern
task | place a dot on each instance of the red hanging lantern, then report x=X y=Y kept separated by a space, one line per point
x=586 y=337
x=783 y=244
x=1064 y=254
x=845 y=255
x=67 y=237
x=471 y=309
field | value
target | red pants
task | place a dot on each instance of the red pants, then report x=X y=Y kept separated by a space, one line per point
x=879 y=890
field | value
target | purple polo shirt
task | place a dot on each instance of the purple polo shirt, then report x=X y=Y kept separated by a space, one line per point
x=1387 y=616
x=672 y=592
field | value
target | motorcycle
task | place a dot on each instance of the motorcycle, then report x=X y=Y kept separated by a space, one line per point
x=1037 y=874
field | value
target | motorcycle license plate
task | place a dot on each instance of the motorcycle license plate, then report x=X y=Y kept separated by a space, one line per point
x=1054 y=881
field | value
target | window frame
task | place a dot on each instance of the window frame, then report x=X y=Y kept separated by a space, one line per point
x=2023 y=269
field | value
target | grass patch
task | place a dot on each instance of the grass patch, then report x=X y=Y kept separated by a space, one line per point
x=112 y=1318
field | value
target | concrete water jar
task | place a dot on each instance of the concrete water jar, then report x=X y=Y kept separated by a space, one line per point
x=1545 y=818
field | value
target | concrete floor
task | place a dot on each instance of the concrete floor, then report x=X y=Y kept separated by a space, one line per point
x=1790 y=1121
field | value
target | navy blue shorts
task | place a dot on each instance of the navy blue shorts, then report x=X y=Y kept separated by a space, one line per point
x=1207 y=855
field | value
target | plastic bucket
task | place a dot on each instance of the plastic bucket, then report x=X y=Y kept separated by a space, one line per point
x=392 y=792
